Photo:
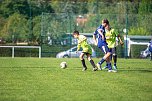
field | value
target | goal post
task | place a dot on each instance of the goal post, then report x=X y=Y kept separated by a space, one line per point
x=135 y=40
x=13 y=49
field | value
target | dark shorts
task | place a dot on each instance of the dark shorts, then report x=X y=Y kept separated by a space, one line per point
x=86 y=53
x=105 y=49
x=114 y=50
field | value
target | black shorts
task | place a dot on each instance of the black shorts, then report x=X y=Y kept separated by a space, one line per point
x=114 y=50
x=86 y=53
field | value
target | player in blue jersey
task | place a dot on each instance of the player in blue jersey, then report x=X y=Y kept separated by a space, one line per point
x=100 y=42
x=150 y=49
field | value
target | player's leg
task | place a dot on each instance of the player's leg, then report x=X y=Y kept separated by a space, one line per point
x=107 y=62
x=106 y=50
x=105 y=66
x=115 y=58
x=151 y=56
x=110 y=66
x=83 y=61
x=107 y=57
x=91 y=61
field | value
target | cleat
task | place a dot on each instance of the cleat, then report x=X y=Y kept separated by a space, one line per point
x=105 y=67
x=115 y=67
x=84 y=69
x=114 y=71
x=99 y=66
x=95 y=69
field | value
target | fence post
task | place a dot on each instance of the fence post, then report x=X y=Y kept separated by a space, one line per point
x=126 y=45
x=12 y=51
x=40 y=52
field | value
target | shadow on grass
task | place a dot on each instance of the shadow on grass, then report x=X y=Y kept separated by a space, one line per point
x=138 y=70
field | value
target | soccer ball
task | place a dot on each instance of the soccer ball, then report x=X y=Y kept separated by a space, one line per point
x=63 y=65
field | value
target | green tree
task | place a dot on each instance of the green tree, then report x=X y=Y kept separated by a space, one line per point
x=25 y=7
x=145 y=7
x=15 y=29
x=2 y=23
x=36 y=28
x=9 y=7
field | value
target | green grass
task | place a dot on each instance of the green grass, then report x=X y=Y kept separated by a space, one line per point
x=33 y=79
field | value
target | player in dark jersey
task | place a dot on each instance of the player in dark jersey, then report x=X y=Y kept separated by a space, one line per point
x=100 y=42
x=150 y=49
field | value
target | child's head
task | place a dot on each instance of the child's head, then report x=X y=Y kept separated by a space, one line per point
x=105 y=22
x=75 y=34
x=107 y=27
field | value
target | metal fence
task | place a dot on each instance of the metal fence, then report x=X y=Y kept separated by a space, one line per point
x=55 y=29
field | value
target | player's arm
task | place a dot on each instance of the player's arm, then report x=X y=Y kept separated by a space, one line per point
x=121 y=42
x=95 y=41
x=78 y=46
x=118 y=36
x=100 y=31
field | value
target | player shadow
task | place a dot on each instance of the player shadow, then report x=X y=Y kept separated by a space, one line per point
x=136 y=70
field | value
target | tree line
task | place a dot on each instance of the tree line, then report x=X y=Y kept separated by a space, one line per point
x=20 y=20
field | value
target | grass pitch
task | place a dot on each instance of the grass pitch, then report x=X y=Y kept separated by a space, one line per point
x=33 y=79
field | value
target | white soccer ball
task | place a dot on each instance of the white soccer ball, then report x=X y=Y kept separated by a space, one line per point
x=63 y=65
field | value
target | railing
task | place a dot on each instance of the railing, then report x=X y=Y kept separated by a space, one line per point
x=13 y=49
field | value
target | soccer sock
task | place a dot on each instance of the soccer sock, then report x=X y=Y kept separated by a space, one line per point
x=151 y=55
x=106 y=64
x=115 y=60
x=83 y=63
x=92 y=63
x=101 y=61
x=109 y=66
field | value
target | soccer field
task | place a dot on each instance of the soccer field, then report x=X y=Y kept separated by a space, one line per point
x=33 y=79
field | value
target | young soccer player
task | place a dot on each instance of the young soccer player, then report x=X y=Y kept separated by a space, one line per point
x=87 y=50
x=150 y=49
x=102 y=45
x=112 y=38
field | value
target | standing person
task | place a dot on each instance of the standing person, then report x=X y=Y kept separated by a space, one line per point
x=150 y=49
x=102 y=45
x=87 y=50
x=112 y=38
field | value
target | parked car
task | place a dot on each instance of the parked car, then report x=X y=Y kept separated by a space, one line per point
x=72 y=53
x=146 y=53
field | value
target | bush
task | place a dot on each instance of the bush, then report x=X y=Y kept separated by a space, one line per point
x=19 y=52
x=52 y=50
x=5 y=52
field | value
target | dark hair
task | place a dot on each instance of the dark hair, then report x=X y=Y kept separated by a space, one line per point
x=105 y=21
x=76 y=32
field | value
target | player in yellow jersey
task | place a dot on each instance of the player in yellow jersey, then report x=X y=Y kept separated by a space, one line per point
x=112 y=38
x=87 y=50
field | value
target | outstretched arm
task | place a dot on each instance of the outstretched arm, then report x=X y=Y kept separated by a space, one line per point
x=121 y=42
x=101 y=33
x=78 y=47
x=95 y=41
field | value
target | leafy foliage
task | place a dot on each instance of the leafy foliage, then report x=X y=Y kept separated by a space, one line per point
x=15 y=28
x=138 y=31
x=21 y=19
